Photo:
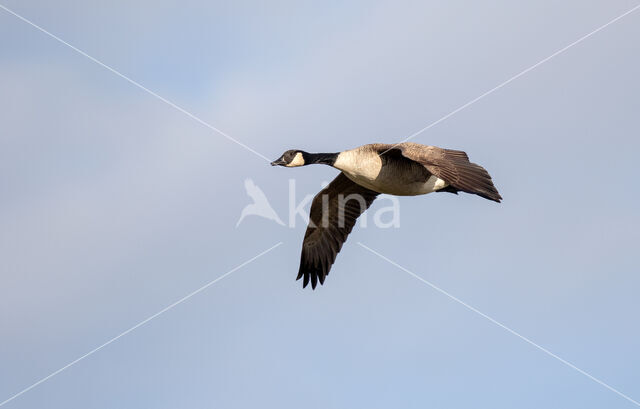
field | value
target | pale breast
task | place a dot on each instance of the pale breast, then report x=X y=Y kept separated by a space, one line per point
x=363 y=165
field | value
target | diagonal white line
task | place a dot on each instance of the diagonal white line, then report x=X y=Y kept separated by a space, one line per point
x=515 y=77
x=137 y=84
x=186 y=297
x=522 y=337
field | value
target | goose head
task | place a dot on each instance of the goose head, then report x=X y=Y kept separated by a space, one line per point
x=291 y=158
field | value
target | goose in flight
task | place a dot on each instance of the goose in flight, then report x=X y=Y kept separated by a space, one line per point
x=405 y=169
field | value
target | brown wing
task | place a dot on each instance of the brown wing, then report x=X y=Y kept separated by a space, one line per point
x=333 y=214
x=451 y=166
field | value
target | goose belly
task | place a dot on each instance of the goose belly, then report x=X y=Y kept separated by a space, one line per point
x=391 y=176
x=398 y=186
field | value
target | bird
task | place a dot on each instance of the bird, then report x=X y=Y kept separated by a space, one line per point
x=260 y=205
x=403 y=169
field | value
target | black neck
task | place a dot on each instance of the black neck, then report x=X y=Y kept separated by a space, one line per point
x=321 y=158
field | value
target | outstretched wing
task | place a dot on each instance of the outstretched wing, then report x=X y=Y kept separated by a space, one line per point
x=333 y=214
x=451 y=166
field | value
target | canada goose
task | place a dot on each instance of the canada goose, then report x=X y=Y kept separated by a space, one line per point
x=405 y=169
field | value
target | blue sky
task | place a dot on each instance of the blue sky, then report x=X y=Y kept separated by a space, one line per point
x=115 y=205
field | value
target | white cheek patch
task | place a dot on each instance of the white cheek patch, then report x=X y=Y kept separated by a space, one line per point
x=298 y=160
